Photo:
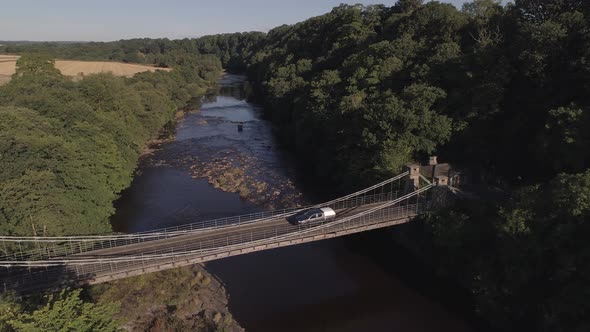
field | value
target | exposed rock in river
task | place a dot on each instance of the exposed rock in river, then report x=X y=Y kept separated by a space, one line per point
x=182 y=299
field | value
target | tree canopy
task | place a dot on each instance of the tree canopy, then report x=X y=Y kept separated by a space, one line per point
x=65 y=311
x=356 y=93
x=69 y=148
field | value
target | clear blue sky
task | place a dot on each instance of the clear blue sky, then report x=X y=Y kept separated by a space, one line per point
x=103 y=20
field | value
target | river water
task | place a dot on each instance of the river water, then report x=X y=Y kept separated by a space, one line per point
x=331 y=285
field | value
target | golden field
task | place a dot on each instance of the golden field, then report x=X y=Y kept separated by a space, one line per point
x=7 y=67
x=78 y=68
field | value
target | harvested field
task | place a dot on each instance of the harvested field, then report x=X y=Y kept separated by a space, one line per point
x=74 y=68
x=8 y=58
x=78 y=68
x=7 y=68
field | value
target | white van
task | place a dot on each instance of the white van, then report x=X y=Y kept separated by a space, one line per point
x=315 y=214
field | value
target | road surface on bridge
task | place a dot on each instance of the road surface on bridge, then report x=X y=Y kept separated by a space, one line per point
x=215 y=238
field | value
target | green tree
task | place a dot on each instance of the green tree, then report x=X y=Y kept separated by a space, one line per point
x=36 y=64
x=65 y=311
x=407 y=6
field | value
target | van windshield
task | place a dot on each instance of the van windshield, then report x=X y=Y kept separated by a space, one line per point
x=310 y=213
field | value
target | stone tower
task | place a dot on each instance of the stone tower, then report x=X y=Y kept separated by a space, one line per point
x=414 y=176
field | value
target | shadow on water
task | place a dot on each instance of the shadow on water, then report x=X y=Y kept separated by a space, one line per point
x=331 y=285
x=383 y=249
x=326 y=286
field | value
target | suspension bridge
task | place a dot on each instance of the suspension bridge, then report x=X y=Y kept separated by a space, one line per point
x=33 y=263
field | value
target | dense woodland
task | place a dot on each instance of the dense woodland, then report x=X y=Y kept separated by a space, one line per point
x=502 y=90
x=68 y=148
x=159 y=52
x=356 y=93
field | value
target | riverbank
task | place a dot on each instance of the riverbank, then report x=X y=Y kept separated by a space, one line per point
x=166 y=135
x=182 y=299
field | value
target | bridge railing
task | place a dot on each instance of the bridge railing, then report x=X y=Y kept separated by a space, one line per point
x=224 y=239
x=220 y=222
x=53 y=247
x=90 y=267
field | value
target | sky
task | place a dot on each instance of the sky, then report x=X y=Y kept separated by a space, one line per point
x=107 y=20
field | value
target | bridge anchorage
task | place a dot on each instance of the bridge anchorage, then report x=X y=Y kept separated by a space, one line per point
x=34 y=263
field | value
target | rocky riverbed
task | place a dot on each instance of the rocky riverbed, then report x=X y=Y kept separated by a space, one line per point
x=182 y=299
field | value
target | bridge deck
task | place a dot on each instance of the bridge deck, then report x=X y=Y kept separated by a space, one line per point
x=200 y=247
x=70 y=261
x=215 y=238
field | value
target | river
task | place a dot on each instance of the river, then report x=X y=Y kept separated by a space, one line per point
x=331 y=285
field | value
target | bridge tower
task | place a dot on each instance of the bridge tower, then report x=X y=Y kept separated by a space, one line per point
x=413 y=177
x=439 y=174
x=441 y=193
